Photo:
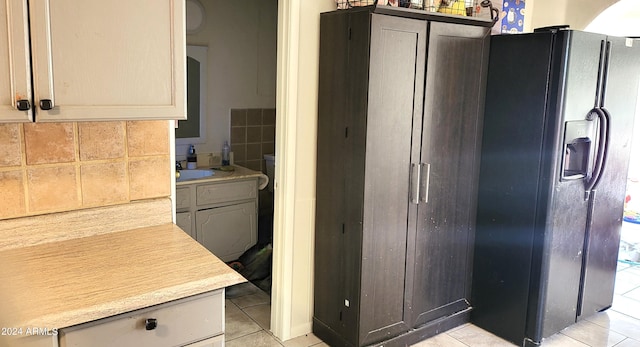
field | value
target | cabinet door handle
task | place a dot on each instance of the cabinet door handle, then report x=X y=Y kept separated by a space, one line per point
x=150 y=324
x=424 y=182
x=414 y=185
x=23 y=105
x=46 y=104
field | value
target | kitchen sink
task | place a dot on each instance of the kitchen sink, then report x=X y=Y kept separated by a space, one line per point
x=186 y=175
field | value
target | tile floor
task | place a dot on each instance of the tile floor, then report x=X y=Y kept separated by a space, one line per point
x=248 y=313
x=248 y=316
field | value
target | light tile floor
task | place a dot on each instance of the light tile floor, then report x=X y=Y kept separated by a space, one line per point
x=248 y=313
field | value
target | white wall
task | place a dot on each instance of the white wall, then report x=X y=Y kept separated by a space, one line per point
x=241 y=40
x=577 y=13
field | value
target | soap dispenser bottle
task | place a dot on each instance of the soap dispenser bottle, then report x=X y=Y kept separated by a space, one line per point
x=192 y=158
x=225 y=154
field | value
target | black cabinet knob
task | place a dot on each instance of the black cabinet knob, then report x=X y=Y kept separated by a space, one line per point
x=46 y=104
x=24 y=105
x=150 y=323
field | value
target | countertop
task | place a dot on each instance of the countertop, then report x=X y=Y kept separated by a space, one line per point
x=239 y=173
x=64 y=283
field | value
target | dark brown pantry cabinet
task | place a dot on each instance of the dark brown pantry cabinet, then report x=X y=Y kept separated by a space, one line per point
x=400 y=118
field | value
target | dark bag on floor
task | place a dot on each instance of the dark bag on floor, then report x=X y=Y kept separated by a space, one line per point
x=256 y=265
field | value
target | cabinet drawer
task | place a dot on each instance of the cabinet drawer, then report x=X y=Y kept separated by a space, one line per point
x=223 y=192
x=183 y=198
x=178 y=323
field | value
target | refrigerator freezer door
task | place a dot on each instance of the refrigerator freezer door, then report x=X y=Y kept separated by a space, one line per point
x=509 y=174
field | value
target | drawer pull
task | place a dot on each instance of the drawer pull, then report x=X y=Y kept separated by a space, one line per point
x=150 y=323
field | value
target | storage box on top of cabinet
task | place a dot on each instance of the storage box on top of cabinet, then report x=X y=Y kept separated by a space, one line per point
x=465 y=8
x=70 y=60
x=399 y=125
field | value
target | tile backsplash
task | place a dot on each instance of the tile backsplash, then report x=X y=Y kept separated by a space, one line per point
x=253 y=133
x=55 y=167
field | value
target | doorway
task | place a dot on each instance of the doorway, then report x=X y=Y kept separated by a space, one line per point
x=237 y=94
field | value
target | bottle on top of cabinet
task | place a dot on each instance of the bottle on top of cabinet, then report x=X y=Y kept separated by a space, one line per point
x=225 y=154
x=192 y=158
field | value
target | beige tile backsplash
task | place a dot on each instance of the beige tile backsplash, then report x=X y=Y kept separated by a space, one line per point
x=101 y=140
x=53 y=188
x=55 y=167
x=49 y=143
x=147 y=138
x=104 y=183
x=148 y=178
x=12 y=188
x=10 y=145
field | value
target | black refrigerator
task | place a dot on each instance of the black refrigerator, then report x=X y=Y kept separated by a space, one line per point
x=559 y=114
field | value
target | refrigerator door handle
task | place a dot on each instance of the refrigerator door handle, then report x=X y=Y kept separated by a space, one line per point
x=603 y=139
x=414 y=185
x=424 y=182
x=605 y=76
x=601 y=77
x=605 y=150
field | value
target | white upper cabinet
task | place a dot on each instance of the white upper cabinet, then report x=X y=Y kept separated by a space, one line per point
x=16 y=104
x=97 y=60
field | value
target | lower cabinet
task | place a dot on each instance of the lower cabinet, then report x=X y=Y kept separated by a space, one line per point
x=183 y=220
x=192 y=321
x=222 y=215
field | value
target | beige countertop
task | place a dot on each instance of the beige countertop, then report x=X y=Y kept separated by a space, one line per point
x=218 y=176
x=59 y=284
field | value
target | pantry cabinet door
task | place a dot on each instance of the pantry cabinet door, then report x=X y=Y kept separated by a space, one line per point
x=396 y=82
x=100 y=60
x=451 y=138
x=15 y=72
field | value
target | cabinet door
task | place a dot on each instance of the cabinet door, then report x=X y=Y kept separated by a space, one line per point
x=454 y=94
x=183 y=220
x=183 y=198
x=15 y=69
x=228 y=231
x=98 y=60
x=395 y=110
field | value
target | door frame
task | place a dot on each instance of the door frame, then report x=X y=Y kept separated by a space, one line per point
x=294 y=206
